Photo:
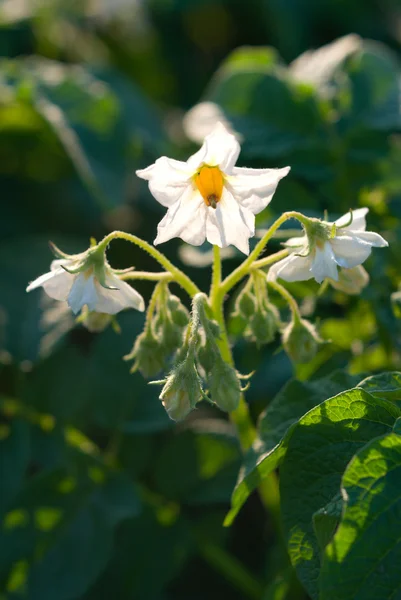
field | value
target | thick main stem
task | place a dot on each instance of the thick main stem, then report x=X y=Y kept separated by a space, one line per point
x=183 y=280
x=240 y=417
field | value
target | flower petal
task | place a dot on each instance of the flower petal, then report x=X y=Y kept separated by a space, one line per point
x=324 y=263
x=372 y=238
x=167 y=178
x=297 y=242
x=200 y=120
x=229 y=224
x=57 y=283
x=112 y=301
x=291 y=268
x=220 y=148
x=83 y=291
x=185 y=218
x=255 y=187
x=350 y=250
x=358 y=220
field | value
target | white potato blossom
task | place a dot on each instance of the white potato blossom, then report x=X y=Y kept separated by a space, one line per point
x=83 y=288
x=327 y=246
x=209 y=198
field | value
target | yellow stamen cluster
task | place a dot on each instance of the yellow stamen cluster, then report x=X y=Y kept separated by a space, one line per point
x=209 y=181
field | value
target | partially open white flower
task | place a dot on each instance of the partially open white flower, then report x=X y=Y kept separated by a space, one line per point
x=84 y=288
x=351 y=281
x=208 y=197
x=327 y=246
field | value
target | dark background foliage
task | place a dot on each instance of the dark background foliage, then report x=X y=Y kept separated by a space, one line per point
x=102 y=496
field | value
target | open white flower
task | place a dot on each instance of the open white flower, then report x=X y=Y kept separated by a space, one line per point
x=327 y=246
x=208 y=197
x=84 y=288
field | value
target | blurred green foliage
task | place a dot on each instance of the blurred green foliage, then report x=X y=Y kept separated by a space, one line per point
x=101 y=496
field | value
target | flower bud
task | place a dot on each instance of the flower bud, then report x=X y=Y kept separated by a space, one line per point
x=179 y=314
x=148 y=355
x=263 y=325
x=224 y=386
x=206 y=357
x=170 y=337
x=351 y=281
x=301 y=340
x=245 y=304
x=182 y=390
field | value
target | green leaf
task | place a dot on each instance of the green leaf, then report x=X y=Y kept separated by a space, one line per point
x=15 y=453
x=102 y=390
x=33 y=323
x=326 y=519
x=60 y=526
x=291 y=403
x=148 y=553
x=208 y=459
x=275 y=114
x=321 y=445
x=374 y=75
x=384 y=385
x=95 y=117
x=297 y=398
x=363 y=560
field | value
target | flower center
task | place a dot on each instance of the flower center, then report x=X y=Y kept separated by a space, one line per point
x=209 y=181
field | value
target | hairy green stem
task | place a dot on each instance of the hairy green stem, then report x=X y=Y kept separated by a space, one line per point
x=244 y=268
x=284 y=293
x=147 y=276
x=183 y=280
x=269 y=260
x=216 y=274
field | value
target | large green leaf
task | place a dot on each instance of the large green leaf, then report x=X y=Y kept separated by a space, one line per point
x=320 y=447
x=32 y=324
x=362 y=562
x=149 y=552
x=208 y=460
x=274 y=114
x=95 y=117
x=102 y=389
x=57 y=535
x=15 y=452
x=384 y=385
x=275 y=426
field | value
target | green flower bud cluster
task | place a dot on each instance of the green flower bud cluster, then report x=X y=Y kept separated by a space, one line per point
x=261 y=317
x=163 y=334
x=300 y=340
x=221 y=378
x=199 y=364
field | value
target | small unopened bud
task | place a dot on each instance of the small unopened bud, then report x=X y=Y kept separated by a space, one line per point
x=224 y=386
x=245 y=304
x=301 y=340
x=351 y=281
x=181 y=391
x=179 y=314
x=94 y=322
x=170 y=337
x=263 y=325
x=148 y=356
x=206 y=357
